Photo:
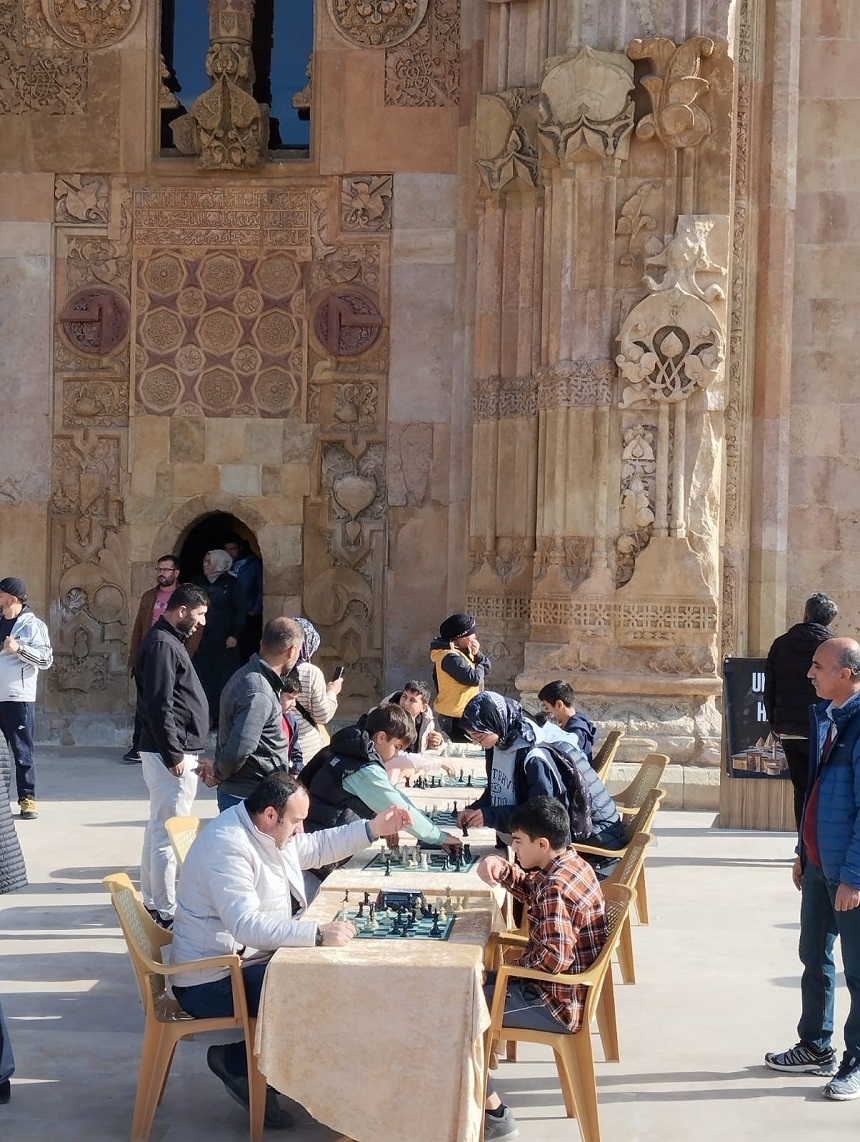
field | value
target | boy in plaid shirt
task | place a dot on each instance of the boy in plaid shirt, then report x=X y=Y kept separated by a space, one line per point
x=567 y=927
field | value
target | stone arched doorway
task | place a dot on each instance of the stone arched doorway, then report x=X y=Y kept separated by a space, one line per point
x=205 y=533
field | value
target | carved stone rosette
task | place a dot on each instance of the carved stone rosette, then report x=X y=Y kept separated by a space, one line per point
x=376 y=23
x=226 y=128
x=586 y=104
x=91 y=23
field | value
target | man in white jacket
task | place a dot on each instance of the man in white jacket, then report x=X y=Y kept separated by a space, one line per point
x=25 y=649
x=242 y=890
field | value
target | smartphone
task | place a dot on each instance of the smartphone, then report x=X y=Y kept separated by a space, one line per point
x=338 y=673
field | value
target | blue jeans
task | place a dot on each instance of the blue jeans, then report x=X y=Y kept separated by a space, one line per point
x=820 y=924
x=17 y=723
x=226 y=800
x=7 y=1061
x=207 y=1000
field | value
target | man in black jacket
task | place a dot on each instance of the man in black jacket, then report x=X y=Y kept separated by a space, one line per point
x=174 y=713
x=788 y=693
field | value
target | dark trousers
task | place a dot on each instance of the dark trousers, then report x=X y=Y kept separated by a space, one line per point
x=797 y=756
x=820 y=924
x=452 y=728
x=7 y=1062
x=207 y=1000
x=17 y=722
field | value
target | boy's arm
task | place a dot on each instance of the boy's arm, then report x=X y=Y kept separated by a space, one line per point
x=517 y=882
x=372 y=785
x=460 y=670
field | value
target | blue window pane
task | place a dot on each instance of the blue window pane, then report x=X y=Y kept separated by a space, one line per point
x=293 y=43
x=185 y=55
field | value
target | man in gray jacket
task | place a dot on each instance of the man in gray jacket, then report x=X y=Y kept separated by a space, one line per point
x=252 y=741
x=25 y=649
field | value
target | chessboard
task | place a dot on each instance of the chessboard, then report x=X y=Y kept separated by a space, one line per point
x=413 y=860
x=425 y=923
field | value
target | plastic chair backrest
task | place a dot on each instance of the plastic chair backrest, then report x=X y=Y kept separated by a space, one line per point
x=182 y=832
x=604 y=756
x=628 y=868
x=144 y=938
x=618 y=899
x=641 y=823
x=648 y=778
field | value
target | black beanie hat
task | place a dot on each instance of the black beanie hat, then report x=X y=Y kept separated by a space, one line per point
x=456 y=626
x=13 y=586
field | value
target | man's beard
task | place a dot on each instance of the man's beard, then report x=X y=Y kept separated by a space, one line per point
x=187 y=625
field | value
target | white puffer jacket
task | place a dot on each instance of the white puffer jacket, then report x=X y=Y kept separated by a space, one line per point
x=18 y=672
x=236 y=886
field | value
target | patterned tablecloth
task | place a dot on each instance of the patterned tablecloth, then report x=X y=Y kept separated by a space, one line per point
x=381 y=1040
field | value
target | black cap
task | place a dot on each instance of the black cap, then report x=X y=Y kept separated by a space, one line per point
x=13 y=586
x=456 y=626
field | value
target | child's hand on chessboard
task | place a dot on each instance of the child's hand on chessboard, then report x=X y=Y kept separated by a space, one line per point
x=492 y=868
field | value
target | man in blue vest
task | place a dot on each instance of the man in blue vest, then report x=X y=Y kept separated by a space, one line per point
x=827 y=872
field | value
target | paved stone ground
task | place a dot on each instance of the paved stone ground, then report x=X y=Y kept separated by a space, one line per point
x=717 y=969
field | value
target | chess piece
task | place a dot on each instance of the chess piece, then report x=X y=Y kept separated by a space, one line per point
x=461 y=775
x=407 y=783
x=468 y=783
x=372 y=923
x=436 y=930
x=425 y=863
x=447 y=897
x=360 y=915
x=467 y=849
x=465 y=829
x=342 y=914
x=388 y=866
x=443 y=914
x=458 y=862
x=367 y=898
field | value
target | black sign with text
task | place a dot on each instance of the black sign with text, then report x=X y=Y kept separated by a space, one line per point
x=751 y=748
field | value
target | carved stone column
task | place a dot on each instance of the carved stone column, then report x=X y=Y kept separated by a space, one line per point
x=226 y=128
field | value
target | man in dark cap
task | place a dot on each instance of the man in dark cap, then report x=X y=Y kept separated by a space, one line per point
x=25 y=649
x=459 y=669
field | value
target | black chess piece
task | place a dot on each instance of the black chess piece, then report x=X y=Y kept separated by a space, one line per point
x=461 y=777
x=467 y=852
x=436 y=930
x=388 y=866
x=458 y=863
x=408 y=785
x=465 y=829
x=360 y=915
x=469 y=782
x=367 y=898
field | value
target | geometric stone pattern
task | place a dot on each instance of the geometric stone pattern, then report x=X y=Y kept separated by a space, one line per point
x=640 y=619
x=35 y=75
x=219 y=333
x=424 y=70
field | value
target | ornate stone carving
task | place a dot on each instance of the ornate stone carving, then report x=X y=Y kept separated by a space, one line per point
x=85 y=476
x=490 y=609
x=495 y=398
x=302 y=100
x=226 y=128
x=672 y=342
x=343 y=405
x=424 y=71
x=638 y=497
x=571 y=555
x=507 y=138
x=636 y=226
x=91 y=23
x=356 y=488
x=485 y=398
x=95 y=321
x=94 y=261
x=220 y=332
x=586 y=104
x=656 y=621
x=568 y=384
x=35 y=75
x=683 y=660
x=343 y=264
x=251 y=217
x=95 y=401
x=365 y=202
x=675 y=118
x=376 y=23
x=81 y=198
x=347 y=322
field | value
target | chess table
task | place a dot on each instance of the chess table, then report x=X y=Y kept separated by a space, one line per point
x=344 y=1031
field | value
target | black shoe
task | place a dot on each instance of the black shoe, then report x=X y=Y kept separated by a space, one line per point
x=132 y=757
x=237 y=1087
x=165 y=922
x=5 y=1092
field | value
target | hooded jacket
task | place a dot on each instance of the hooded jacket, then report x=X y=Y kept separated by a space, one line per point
x=788 y=693
x=350 y=749
x=584 y=732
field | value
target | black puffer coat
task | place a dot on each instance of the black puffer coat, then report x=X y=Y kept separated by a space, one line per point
x=788 y=693
x=13 y=874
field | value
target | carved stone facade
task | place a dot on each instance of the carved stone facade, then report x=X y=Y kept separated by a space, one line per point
x=551 y=324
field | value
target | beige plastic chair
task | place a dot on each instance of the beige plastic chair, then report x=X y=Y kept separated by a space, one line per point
x=641 y=823
x=574 y=1053
x=627 y=872
x=182 y=831
x=606 y=754
x=650 y=773
x=166 y=1022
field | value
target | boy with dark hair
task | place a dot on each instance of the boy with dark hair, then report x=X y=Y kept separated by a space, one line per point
x=348 y=779
x=566 y=928
x=559 y=702
x=291 y=691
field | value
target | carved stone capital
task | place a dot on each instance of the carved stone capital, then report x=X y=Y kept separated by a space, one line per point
x=675 y=118
x=507 y=138
x=586 y=104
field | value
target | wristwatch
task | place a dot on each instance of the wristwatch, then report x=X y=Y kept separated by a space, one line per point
x=318 y=939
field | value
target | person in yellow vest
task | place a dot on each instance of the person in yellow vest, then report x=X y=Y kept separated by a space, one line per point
x=459 y=670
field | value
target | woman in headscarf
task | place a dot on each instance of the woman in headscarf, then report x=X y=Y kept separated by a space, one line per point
x=523 y=761
x=317 y=703
x=216 y=657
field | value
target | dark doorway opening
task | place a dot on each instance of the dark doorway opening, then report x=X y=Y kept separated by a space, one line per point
x=208 y=533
